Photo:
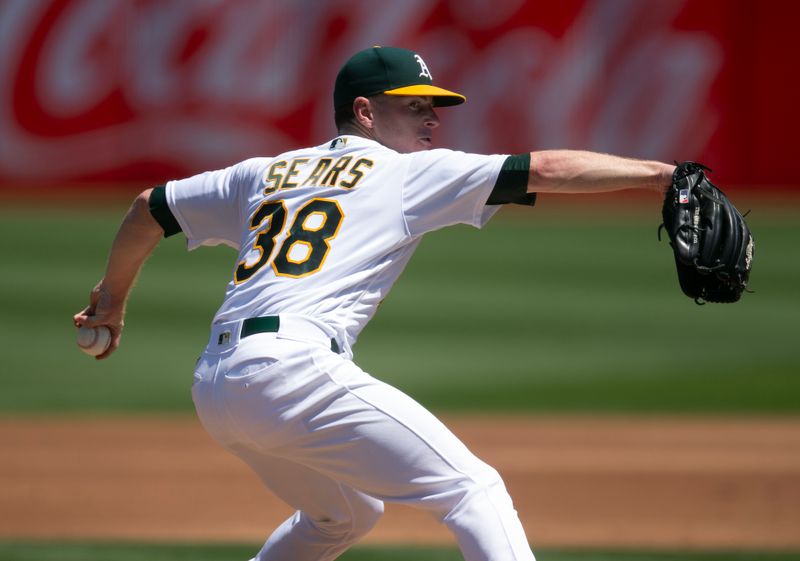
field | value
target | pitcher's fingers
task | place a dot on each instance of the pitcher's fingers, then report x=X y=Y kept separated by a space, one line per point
x=85 y=317
x=82 y=317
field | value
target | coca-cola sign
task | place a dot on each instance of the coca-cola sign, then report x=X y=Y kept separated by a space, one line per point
x=147 y=90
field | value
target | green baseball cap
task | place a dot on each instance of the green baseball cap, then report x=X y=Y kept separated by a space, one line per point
x=391 y=71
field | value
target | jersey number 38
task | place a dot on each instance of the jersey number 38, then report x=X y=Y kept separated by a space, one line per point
x=304 y=250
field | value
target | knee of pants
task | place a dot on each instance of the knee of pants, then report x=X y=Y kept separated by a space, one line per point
x=349 y=529
x=479 y=492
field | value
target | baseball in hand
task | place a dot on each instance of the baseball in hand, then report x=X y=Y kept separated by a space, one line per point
x=94 y=340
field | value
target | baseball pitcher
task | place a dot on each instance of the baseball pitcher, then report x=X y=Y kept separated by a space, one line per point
x=322 y=234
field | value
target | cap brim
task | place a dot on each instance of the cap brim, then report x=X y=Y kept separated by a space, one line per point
x=441 y=97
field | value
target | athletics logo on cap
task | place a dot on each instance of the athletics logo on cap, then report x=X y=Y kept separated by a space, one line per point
x=424 y=67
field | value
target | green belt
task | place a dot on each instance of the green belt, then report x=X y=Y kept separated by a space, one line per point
x=265 y=324
x=271 y=324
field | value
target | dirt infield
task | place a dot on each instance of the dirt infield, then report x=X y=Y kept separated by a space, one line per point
x=577 y=482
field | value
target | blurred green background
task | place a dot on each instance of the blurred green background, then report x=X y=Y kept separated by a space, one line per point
x=567 y=308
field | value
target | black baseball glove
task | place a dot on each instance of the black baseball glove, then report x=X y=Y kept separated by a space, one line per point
x=712 y=244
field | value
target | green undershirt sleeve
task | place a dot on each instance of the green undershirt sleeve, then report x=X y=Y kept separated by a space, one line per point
x=159 y=209
x=511 y=186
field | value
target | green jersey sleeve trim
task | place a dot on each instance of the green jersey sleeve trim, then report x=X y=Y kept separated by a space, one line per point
x=511 y=186
x=161 y=212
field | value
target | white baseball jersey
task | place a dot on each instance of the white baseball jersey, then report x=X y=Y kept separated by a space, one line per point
x=323 y=233
x=326 y=231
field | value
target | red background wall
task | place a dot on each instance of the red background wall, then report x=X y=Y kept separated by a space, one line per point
x=145 y=90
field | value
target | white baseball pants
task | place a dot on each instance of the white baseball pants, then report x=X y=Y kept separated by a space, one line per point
x=335 y=443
